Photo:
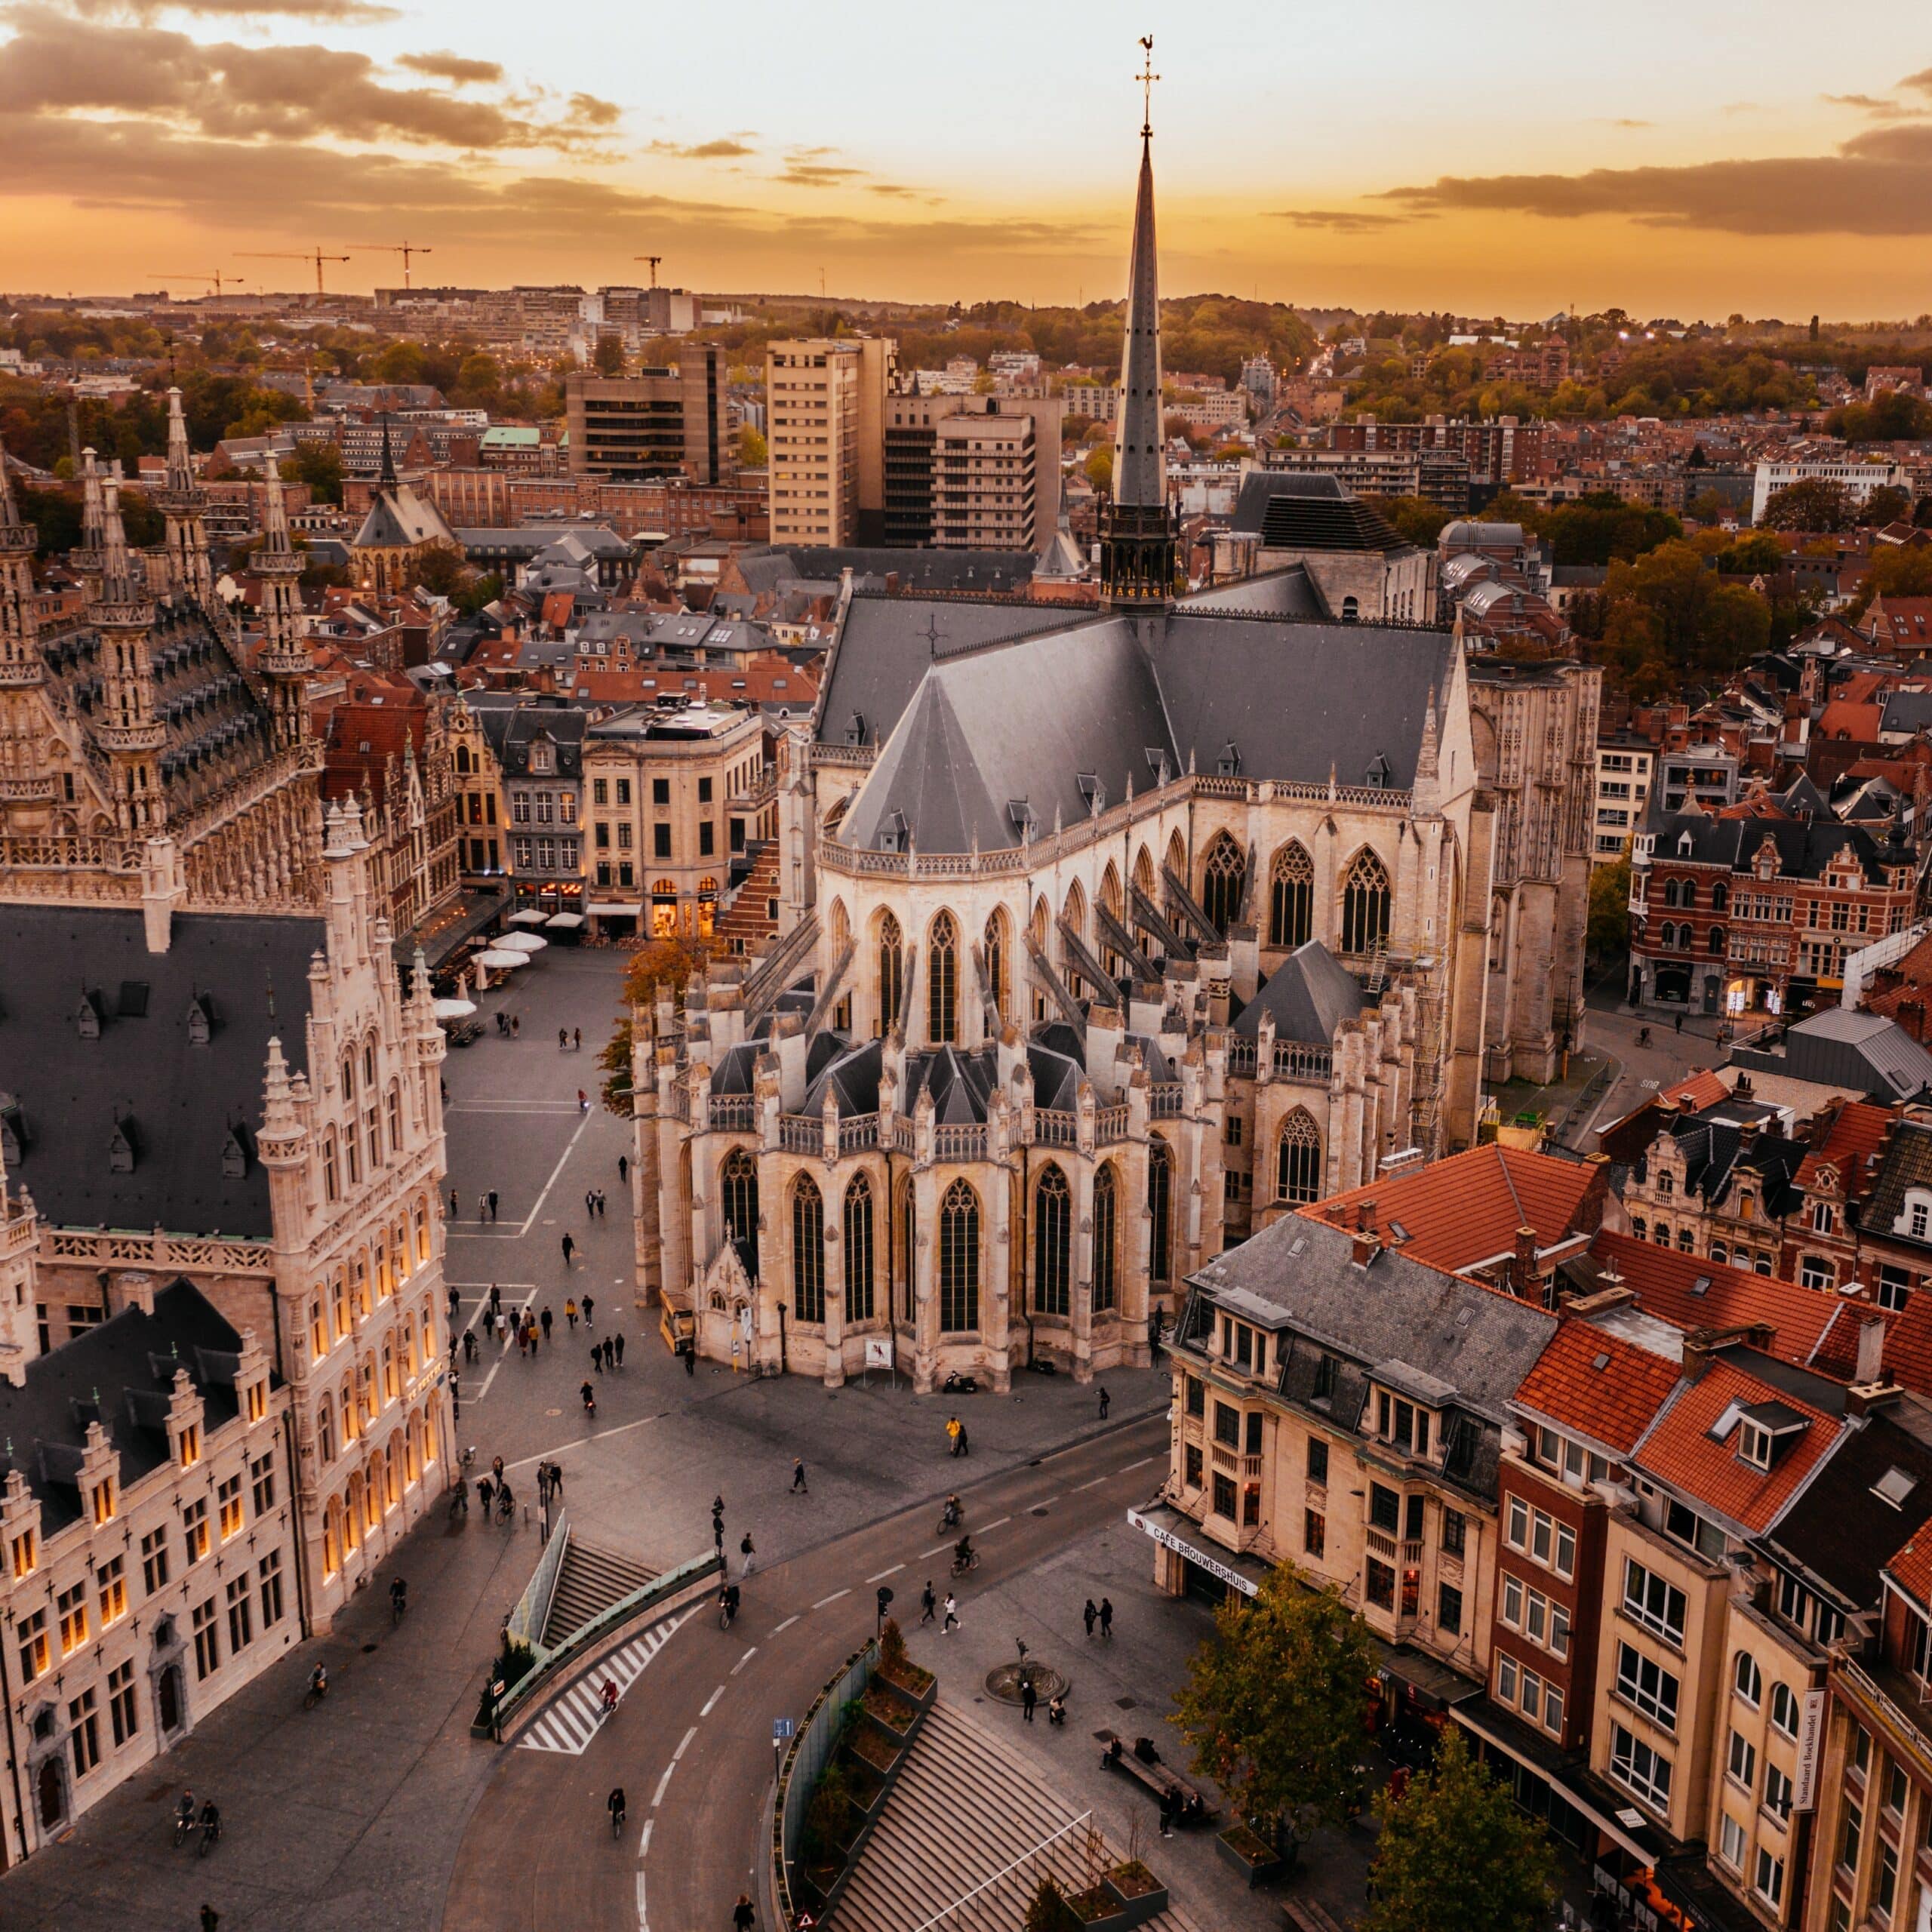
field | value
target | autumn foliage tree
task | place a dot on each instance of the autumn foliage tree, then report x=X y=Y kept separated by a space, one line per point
x=665 y=963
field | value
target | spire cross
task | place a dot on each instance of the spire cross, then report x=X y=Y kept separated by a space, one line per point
x=1147 y=77
x=932 y=633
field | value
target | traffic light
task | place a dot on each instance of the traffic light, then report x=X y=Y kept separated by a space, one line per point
x=885 y=1604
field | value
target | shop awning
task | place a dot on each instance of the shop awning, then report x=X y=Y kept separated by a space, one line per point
x=616 y=909
x=1164 y=1523
x=454 y=926
x=1623 y=1823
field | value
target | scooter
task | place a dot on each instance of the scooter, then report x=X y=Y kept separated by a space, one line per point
x=956 y=1384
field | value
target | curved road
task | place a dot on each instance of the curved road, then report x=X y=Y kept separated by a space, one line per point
x=691 y=1742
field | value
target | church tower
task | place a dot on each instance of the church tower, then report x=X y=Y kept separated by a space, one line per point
x=184 y=505
x=1138 y=534
x=285 y=662
x=22 y=670
x=127 y=727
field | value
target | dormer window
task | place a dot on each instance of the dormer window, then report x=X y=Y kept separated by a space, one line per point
x=1229 y=763
x=234 y=1152
x=123 y=1146
x=1823 y=1219
x=1754 y=1445
x=86 y=1016
x=201 y=1020
x=1915 y=1217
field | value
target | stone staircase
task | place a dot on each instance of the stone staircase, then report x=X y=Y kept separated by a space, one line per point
x=589 y=1581
x=747 y=925
x=963 y=1811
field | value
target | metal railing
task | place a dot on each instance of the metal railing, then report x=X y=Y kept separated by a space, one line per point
x=1075 y=1857
x=732 y=1112
x=1165 y=1100
x=809 y=1752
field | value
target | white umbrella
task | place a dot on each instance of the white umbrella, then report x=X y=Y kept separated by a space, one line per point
x=521 y=943
x=564 y=922
x=454 y=1009
x=502 y=962
x=529 y=916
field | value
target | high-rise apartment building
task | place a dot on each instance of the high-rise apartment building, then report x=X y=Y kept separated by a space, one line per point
x=659 y=422
x=970 y=472
x=825 y=403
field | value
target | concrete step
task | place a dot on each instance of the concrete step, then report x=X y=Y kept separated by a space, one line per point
x=588 y=1582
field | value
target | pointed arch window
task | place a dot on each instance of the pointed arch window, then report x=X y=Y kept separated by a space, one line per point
x=859 y=1272
x=1364 y=905
x=1053 y=1242
x=1223 y=879
x=1291 y=898
x=943 y=979
x=959 y=1259
x=808 y=1251
x=995 y=954
x=891 y=973
x=1160 y=1210
x=907 y=1247
x=1106 y=1240
x=1298 y=1166
x=737 y=1187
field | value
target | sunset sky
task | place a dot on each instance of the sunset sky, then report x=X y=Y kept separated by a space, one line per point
x=1684 y=157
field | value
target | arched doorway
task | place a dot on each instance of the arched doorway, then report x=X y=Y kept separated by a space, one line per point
x=51 y=1794
x=168 y=1706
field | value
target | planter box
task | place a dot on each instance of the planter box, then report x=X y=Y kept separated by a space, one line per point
x=900 y=1734
x=1113 y=1918
x=921 y=1698
x=1136 y=1908
x=1258 y=1868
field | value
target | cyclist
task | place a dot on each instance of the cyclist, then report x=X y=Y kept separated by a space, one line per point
x=184 y=1816
x=590 y=1395
x=962 y=1554
x=399 y=1599
x=318 y=1682
x=952 y=1514
x=614 y=1803
x=607 y=1696
x=211 y=1825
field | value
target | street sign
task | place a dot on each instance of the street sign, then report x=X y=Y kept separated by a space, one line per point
x=879 y=1351
x=782 y=1729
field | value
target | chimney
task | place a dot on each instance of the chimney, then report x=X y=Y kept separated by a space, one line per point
x=1365 y=1217
x=1363 y=1248
x=1742 y=1091
x=1871 y=1352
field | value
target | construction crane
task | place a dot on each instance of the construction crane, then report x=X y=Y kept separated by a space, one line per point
x=654 y=261
x=276 y=255
x=214 y=275
x=404 y=249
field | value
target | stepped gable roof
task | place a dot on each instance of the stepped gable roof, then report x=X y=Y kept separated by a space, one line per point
x=1283 y=593
x=1296 y=510
x=1714 y=1146
x=129 y=1119
x=1477 y=1343
x=1856 y=1133
x=1692 y=1446
x=1599 y=1387
x=1457 y=1213
x=1873 y=1496
x=1904 y=1163
x=122 y=1374
x=1310 y=994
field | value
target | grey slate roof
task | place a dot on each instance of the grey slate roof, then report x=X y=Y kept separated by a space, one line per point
x=1291 y=509
x=399 y=518
x=1282 y=593
x=185 y=1101
x=1480 y=1343
x=1863 y=1051
x=1905 y=1162
x=1310 y=994
x=122 y=1375
x=1907 y=711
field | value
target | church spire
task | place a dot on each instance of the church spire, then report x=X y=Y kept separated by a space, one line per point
x=20 y=630
x=1137 y=534
x=285 y=662
x=183 y=505
x=128 y=726
x=387 y=478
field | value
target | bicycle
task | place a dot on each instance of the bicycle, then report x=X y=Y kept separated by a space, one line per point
x=210 y=1832
x=961 y=1564
x=616 y=1809
x=184 y=1826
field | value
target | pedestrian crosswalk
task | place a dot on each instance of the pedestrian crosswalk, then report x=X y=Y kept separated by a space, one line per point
x=569 y=1723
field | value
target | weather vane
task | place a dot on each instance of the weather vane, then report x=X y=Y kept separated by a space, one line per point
x=1147 y=77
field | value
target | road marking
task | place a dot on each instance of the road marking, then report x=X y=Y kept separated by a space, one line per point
x=711 y=1702
x=643 y=1843
x=880 y=1576
x=743 y=1660
x=996 y=1522
x=785 y=1625
x=570 y=1720
x=938 y=1549
x=833 y=1599
x=643 y=1917
x=687 y=1737
x=1094 y=1485
x=1141 y=1465
x=537 y=1206
x=662 y=1782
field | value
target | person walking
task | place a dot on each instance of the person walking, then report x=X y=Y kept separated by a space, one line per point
x=590 y=1201
x=485 y=1489
x=1028 y=1697
x=1089 y=1616
x=623 y=1170
x=453 y=1203
x=590 y=1308
x=951 y=1622
x=928 y=1603
x=493 y=1204
x=582 y=1101
x=483 y=1205
x=689 y=1351
x=570 y=1312
x=748 y=1551
x=516 y=1027
x=952 y=1435
x=798 y=1486
x=743 y=1917
x=1106 y=1402
x=570 y=1248
x=545 y=1319
x=456 y=1303
x=576 y=1039
x=522 y=1339
x=556 y=1478
x=496 y=1299
x=617 y=1345
x=563 y=1038
x=1107 y=1619
x=469 y=1345
x=1680 y=1023
x=210 y=1918
x=965 y=1443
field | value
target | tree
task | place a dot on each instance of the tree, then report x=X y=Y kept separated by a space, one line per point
x=1100 y=467
x=318 y=465
x=1455 y=1854
x=664 y=963
x=1896 y=571
x=440 y=570
x=1887 y=505
x=1668 y=617
x=1810 y=504
x=1415 y=517
x=1608 y=932
x=1274 y=1703
x=609 y=355
x=752 y=452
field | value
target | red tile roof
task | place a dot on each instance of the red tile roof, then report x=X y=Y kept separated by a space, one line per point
x=1909 y=1345
x=1910 y=1569
x=1701 y=1088
x=1859 y=1131
x=1467 y=1209
x=1680 y=1450
x=1598 y=1385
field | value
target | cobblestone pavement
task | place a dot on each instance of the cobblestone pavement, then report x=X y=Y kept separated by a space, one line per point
x=348 y=1817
